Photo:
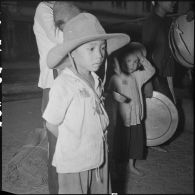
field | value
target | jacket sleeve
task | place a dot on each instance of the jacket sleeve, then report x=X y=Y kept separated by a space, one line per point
x=59 y=101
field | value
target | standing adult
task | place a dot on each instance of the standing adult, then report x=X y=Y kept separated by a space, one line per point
x=48 y=33
x=155 y=38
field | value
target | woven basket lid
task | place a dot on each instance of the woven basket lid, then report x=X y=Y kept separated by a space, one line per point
x=161 y=119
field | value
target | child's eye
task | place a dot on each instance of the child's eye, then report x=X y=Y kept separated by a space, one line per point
x=103 y=47
x=91 y=48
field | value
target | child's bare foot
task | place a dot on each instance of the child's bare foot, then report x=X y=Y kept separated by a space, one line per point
x=136 y=171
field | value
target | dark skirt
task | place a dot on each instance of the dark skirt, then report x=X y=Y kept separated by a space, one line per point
x=129 y=142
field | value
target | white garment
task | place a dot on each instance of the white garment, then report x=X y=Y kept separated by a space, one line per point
x=81 y=122
x=47 y=36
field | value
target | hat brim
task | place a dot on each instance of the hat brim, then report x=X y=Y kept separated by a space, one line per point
x=114 y=42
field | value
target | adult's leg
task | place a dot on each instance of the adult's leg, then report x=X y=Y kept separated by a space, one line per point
x=52 y=175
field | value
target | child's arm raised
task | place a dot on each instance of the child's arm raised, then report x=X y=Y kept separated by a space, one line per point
x=148 y=70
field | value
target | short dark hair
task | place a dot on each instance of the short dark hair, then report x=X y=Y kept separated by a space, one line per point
x=128 y=51
x=64 y=11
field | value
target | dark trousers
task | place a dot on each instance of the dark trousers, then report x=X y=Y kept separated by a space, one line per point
x=52 y=174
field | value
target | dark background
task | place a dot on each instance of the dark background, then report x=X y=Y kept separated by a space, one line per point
x=19 y=44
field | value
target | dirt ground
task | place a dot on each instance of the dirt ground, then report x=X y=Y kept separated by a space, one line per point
x=165 y=173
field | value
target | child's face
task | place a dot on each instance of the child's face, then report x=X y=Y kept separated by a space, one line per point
x=89 y=56
x=131 y=63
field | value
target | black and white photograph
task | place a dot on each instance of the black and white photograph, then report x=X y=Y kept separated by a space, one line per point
x=97 y=97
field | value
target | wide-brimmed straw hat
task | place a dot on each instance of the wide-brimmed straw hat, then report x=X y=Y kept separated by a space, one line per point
x=84 y=28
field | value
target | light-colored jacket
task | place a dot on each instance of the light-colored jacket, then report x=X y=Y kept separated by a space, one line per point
x=81 y=122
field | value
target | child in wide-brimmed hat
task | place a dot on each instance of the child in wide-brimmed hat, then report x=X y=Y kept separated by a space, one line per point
x=75 y=113
x=129 y=138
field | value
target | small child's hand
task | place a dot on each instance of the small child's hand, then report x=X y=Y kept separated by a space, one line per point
x=120 y=98
x=141 y=58
x=139 y=55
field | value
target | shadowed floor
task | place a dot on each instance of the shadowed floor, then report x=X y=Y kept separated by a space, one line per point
x=165 y=173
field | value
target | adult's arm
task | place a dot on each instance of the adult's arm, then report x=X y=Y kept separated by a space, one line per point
x=44 y=16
